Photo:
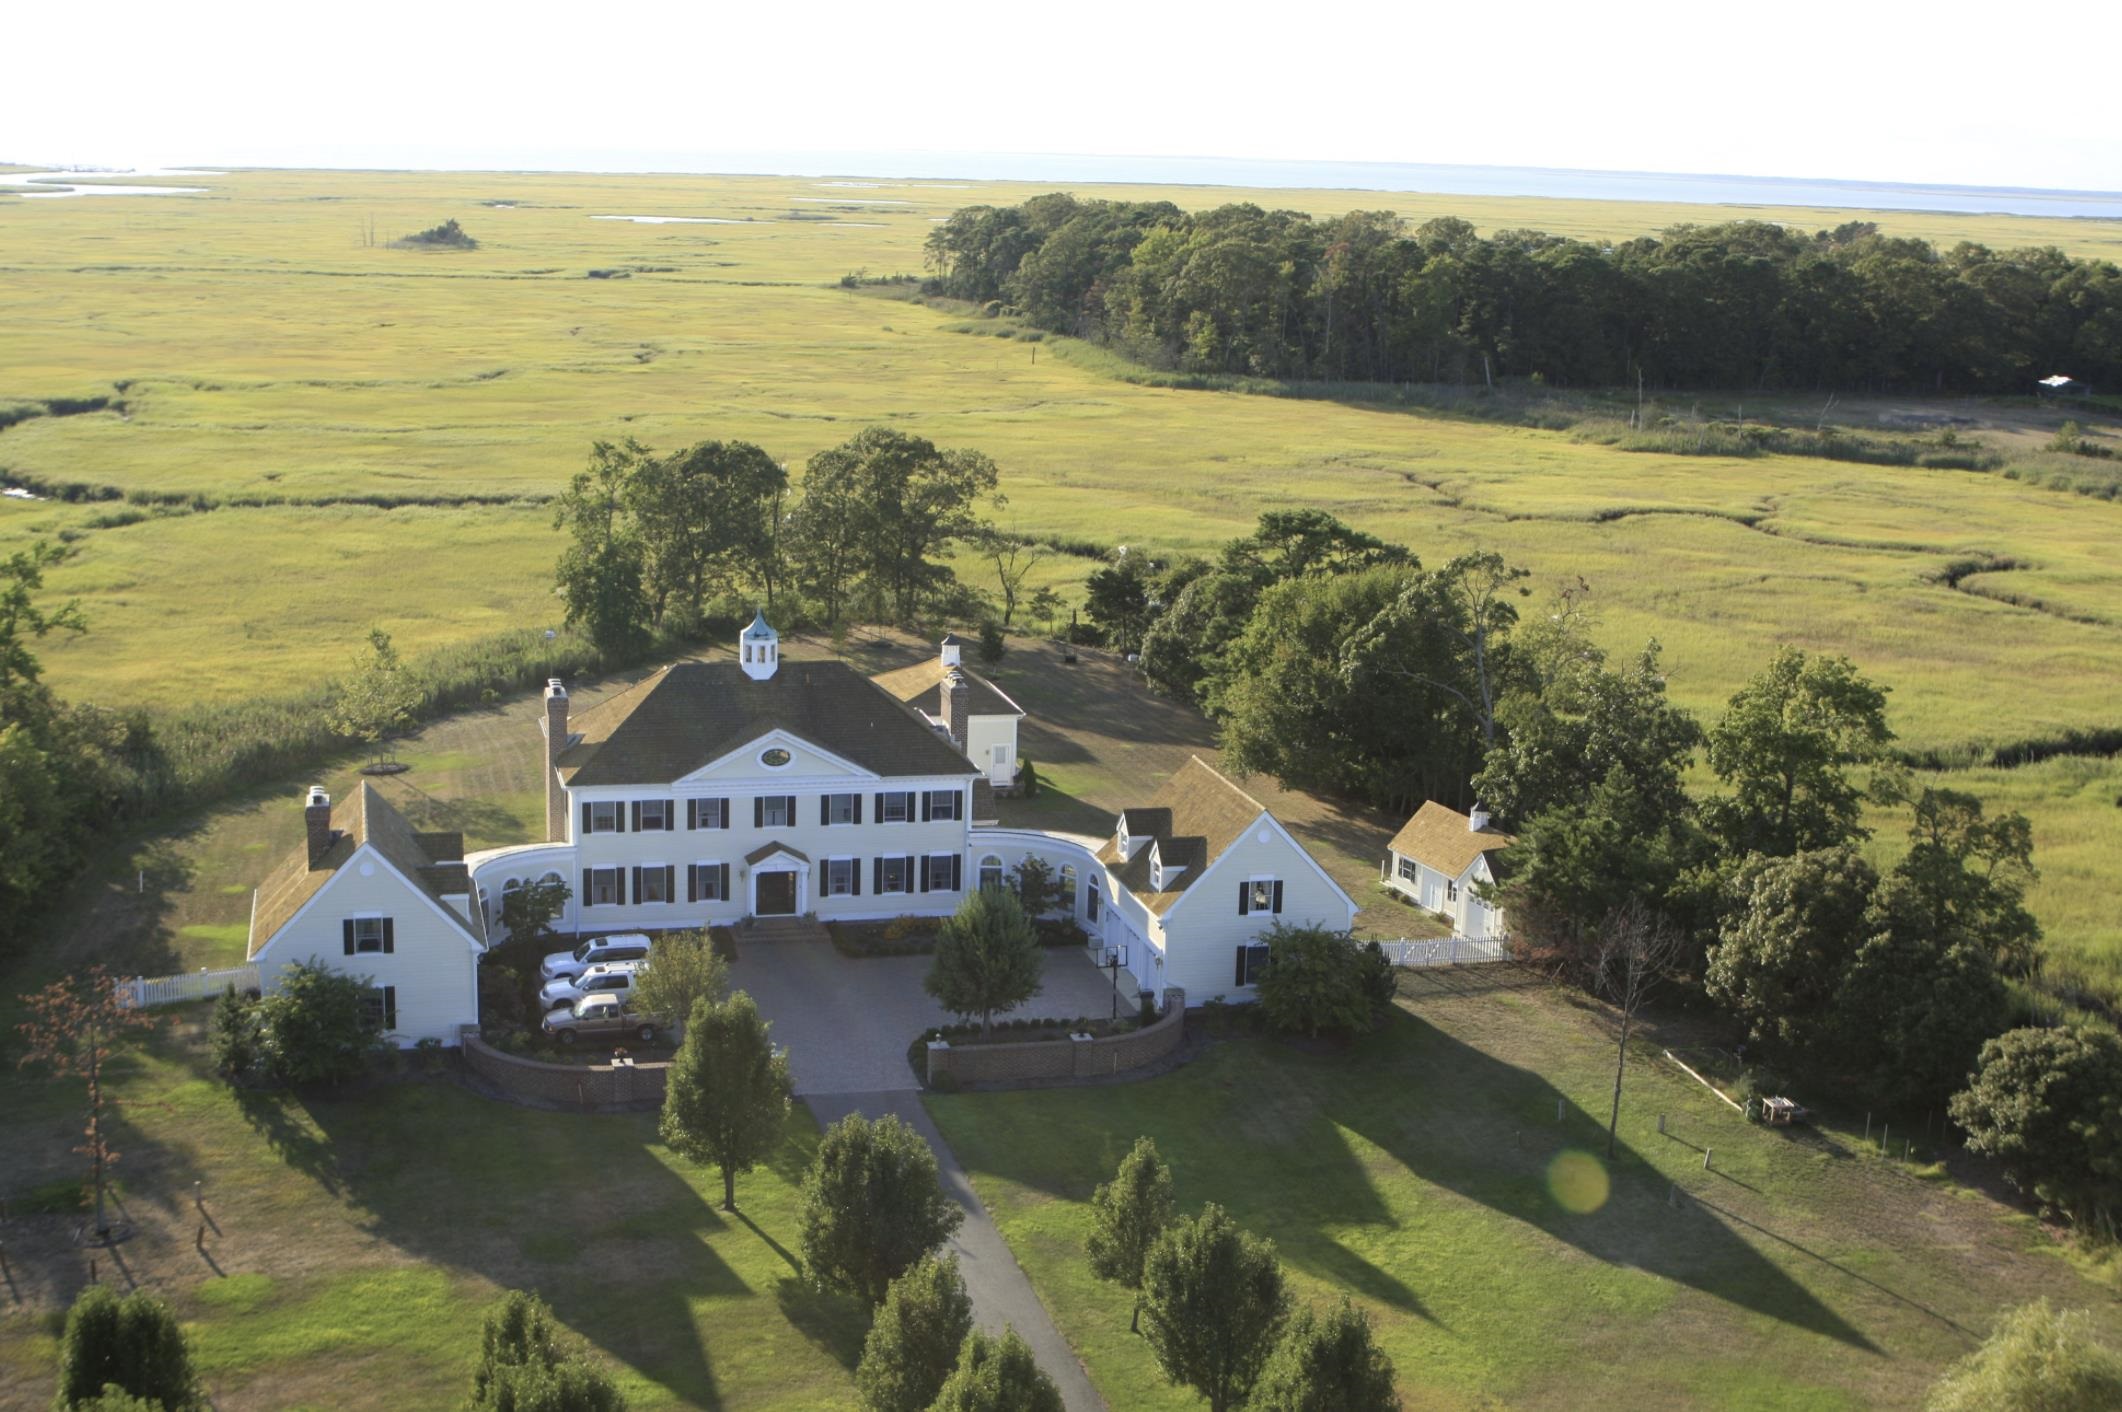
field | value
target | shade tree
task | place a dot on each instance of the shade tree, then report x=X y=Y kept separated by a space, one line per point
x=726 y=1098
x=1213 y=1300
x=871 y=1207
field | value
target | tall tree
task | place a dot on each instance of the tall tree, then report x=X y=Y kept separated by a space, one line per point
x=74 y=1027
x=1785 y=748
x=131 y=1343
x=913 y=500
x=2047 y=1104
x=1636 y=950
x=1465 y=605
x=1128 y=1214
x=1791 y=927
x=1118 y=599
x=1330 y=1362
x=1013 y=558
x=1965 y=876
x=23 y=620
x=726 y=1099
x=997 y=1375
x=1213 y=1301
x=705 y=519
x=913 y=1344
x=602 y=571
x=987 y=957
x=872 y=1206
x=377 y=700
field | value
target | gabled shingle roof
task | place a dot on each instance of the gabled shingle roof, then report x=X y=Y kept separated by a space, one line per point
x=1441 y=837
x=367 y=818
x=692 y=713
x=1194 y=817
x=921 y=687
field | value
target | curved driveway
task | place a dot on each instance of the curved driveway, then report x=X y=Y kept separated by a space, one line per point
x=846 y=1025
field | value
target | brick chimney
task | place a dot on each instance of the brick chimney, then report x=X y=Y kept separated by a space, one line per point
x=957 y=695
x=555 y=742
x=317 y=823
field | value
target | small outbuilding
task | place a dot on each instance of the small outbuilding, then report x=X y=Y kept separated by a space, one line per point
x=1440 y=859
x=2061 y=385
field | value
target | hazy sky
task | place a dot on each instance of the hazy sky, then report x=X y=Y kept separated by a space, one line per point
x=1851 y=90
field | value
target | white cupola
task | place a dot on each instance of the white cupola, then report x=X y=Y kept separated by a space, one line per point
x=759 y=648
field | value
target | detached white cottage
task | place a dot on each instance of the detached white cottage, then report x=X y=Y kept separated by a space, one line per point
x=374 y=898
x=1438 y=859
x=729 y=792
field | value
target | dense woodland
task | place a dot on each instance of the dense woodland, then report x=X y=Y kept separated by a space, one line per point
x=1362 y=297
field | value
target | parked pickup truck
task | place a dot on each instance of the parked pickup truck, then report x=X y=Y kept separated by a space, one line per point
x=598 y=1016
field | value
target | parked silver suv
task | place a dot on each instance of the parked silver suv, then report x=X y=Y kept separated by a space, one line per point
x=614 y=976
x=566 y=965
x=600 y=1016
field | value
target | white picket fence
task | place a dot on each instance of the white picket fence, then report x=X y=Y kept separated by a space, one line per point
x=1444 y=951
x=144 y=991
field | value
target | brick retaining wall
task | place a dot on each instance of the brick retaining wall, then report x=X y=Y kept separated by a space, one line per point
x=598 y=1087
x=1061 y=1058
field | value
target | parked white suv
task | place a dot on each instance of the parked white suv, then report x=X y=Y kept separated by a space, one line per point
x=566 y=965
x=614 y=976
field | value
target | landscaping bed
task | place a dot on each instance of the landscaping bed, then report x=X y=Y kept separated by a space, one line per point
x=916 y=936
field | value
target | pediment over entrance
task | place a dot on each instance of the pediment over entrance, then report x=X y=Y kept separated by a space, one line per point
x=768 y=854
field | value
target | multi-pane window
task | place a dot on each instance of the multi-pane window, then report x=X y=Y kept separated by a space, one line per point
x=843 y=809
x=379 y=1007
x=652 y=814
x=942 y=872
x=707 y=882
x=368 y=934
x=604 y=887
x=652 y=883
x=1252 y=964
x=1451 y=890
x=1259 y=895
x=1091 y=902
x=840 y=875
x=895 y=806
x=892 y=875
x=774 y=811
x=990 y=874
x=707 y=813
x=943 y=804
x=1410 y=870
x=604 y=817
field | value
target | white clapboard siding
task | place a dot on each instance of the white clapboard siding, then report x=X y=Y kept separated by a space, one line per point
x=1444 y=951
x=143 y=991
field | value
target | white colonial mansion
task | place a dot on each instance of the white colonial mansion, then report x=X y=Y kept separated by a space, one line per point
x=716 y=793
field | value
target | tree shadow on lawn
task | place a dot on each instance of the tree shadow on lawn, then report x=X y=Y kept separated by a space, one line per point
x=574 y=1206
x=1265 y=1133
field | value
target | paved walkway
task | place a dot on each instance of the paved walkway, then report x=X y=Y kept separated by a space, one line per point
x=1001 y=1293
x=846 y=1023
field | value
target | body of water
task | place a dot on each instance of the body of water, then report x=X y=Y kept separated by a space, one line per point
x=51 y=185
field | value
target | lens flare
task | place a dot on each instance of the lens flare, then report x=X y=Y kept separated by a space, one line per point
x=1578 y=1182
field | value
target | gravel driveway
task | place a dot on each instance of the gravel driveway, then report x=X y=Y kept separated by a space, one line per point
x=846 y=1023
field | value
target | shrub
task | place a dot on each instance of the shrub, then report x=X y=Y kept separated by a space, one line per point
x=1128 y=1214
x=1331 y=1362
x=871 y=1207
x=993 y=645
x=524 y=1366
x=2035 y=1360
x=232 y=1034
x=687 y=970
x=2048 y=1105
x=1317 y=981
x=1027 y=777
x=997 y=1375
x=317 y=1028
x=132 y=1344
x=913 y=1345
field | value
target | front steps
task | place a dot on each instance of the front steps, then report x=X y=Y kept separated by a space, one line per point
x=771 y=930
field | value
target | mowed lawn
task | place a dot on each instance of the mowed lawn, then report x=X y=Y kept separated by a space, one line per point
x=1423 y=1172
x=354 y=1242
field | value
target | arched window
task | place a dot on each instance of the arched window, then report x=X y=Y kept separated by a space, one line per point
x=551 y=878
x=1068 y=886
x=991 y=873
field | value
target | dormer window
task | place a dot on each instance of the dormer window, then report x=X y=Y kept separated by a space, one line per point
x=1156 y=868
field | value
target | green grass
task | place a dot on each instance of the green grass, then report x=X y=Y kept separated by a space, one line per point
x=486 y=373
x=1416 y=1173
x=361 y=1238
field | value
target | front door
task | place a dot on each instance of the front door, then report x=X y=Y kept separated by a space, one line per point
x=775 y=894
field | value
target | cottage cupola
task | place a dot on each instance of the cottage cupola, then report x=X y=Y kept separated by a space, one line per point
x=759 y=648
x=951 y=649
